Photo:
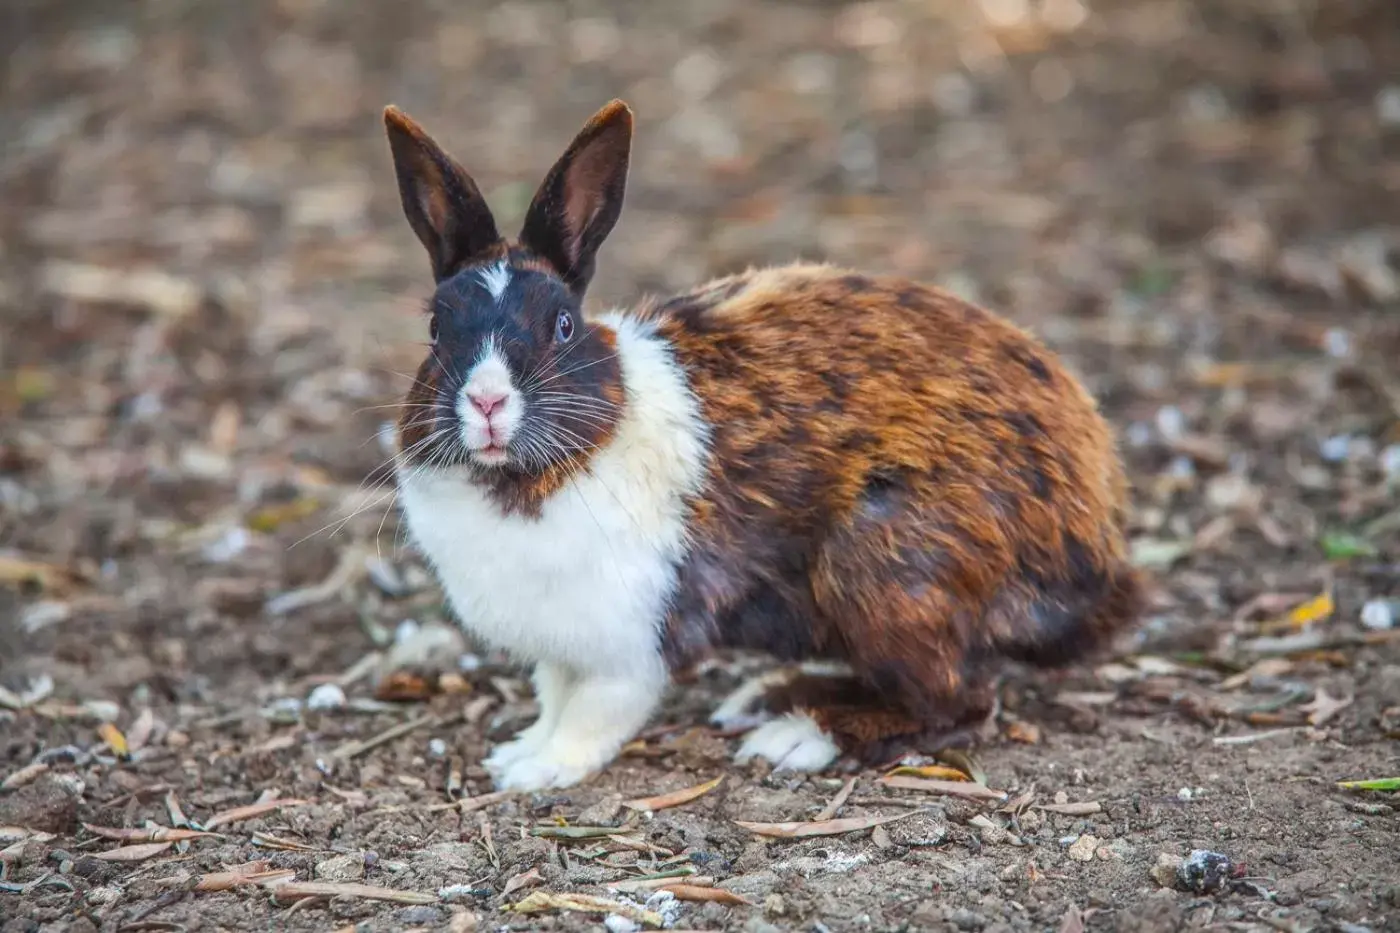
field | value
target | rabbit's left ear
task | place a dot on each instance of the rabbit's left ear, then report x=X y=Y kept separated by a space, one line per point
x=580 y=199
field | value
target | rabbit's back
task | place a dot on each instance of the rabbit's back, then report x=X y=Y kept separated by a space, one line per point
x=953 y=456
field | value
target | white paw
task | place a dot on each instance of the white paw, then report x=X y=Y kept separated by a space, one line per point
x=544 y=769
x=508 y=753
x=792 y=743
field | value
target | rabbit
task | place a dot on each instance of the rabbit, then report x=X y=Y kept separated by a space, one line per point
x=862 y=475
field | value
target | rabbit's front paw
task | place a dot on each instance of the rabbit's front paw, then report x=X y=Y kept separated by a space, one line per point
x=547 y=768
x=524 y=745
x=792 y=743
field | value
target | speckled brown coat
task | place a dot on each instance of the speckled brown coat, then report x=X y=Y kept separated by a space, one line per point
x=899 y=480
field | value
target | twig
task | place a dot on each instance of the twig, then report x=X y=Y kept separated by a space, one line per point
x=1253 y=737
x=354 y=749
x=831 y=809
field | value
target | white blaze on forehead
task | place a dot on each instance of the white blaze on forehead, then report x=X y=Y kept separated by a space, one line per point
x=494 y=278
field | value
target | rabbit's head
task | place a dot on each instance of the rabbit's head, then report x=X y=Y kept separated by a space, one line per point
x=517 y=381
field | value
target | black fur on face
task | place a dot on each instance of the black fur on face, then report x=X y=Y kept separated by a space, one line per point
x=506 y=318
x=563 y=367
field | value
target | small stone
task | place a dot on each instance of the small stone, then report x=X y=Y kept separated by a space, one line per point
x=457 y=893
x=437 y=748
x=341 y=868
x=421 y=915
x=462 y=922
x=48 y=805
x=326 y=697
x=774 y=905
x=616 y=923
x=602 y=813
x=1082 y=850
x=965 y=919
x=1380 y=614
x=1389 y=459
x=1204 y=871
x=104 y=896
x=1164 y=870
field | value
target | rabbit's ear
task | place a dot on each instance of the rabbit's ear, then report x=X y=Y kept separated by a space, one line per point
x=442 y=203
x=580 y=199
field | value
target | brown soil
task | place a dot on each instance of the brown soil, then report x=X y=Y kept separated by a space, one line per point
x=206 y=287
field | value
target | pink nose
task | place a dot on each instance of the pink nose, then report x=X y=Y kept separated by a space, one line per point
x=487 y=402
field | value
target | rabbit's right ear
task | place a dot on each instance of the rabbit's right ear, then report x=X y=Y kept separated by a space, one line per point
x=442 y=203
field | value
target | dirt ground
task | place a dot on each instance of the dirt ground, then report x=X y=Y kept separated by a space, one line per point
x=207 y=292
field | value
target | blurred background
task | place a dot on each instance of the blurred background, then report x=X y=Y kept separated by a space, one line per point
x=206 y=283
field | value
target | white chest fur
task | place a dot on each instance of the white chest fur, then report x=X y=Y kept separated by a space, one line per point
x=586 y=582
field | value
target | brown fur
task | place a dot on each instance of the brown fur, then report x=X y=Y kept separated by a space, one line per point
x=899 y=480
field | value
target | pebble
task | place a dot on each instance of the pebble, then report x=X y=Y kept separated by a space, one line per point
x=104 y=895
x=457 y=893
x=965 y=919
x=616 y=923
x=1164 y=870
x=326 y=696
x=1204 y=871
x=437 y=748
x=421 y=915
x=341 y=868
x=1082 y=850
x=1390 y=461
x=1380 y=614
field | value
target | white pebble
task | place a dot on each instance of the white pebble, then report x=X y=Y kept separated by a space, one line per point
x=1336 y=449
x=437 y=748
x=1379 y=614
x=406 y=631
x=1171 y=423
x=1390 y=461
x=468 y=663
x=1337 y=342
x=326 y=696
x=616 y=923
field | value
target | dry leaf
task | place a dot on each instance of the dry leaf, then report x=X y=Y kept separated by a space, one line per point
x=140 y=732
x=1083 y=808
x=963 y=762
x=881 y=837
x=1323 y=707
x=1085 y=698
x=24 y=775
x=255 y=872
x=540 y=901
x=252 y=811
x=935 y=772
x=806 y=830
x=1265 y=667
x=133 y=853
x=964 y=789
x=526 y=879
x=145 y=834
x=114 y=739
x=675 y=798
x=18 y=572
x=1317 y=609
x=1024 y=732
x=269 y=841
x=691 y=892
x=299 y=889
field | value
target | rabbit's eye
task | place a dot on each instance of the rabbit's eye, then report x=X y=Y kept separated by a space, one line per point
x=564 y=327
x=432 y=329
